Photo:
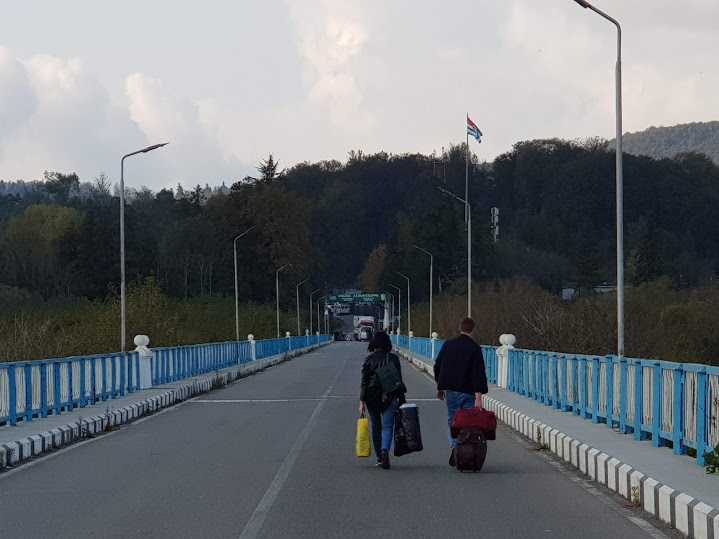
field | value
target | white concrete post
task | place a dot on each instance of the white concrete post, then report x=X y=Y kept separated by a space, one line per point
x=307 y=337
x=289 y=341
x=145 y=374
x=318 y=337
x=253 y=344
x=434 y=343
x=507 y=341
x=409 y=343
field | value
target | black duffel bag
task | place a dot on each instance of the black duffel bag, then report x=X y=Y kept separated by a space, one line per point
x=407 y=435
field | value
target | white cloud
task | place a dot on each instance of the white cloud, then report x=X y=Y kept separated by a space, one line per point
x=331 y=36
x=312 y=79
x=195 y=154
x=16 y=96
x=56 y=116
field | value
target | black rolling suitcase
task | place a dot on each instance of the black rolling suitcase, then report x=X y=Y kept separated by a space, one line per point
x=407 y=434
x=471 y=450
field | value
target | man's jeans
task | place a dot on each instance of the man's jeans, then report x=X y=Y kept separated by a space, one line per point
x=383 y=426
x=456 y=401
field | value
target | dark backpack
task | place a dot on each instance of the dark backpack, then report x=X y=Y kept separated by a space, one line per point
x=386 y=377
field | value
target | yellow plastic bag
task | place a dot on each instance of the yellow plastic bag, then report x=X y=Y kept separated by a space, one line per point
x=362 y=446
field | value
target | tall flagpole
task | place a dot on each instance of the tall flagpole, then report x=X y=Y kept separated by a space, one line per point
x=466 y=169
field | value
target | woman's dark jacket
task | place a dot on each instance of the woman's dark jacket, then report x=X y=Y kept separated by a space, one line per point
x=369 y=392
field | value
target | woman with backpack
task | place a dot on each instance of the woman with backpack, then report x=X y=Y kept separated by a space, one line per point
x=382 y=392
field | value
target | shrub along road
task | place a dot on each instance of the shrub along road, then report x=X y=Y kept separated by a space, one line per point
x=273 y=456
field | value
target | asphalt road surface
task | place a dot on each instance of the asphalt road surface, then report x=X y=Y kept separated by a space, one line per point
x=272 y=456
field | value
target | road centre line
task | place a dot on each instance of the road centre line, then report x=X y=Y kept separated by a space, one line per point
x=254 y=525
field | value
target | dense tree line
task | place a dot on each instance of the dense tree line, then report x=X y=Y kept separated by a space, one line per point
x=658 y=142
x=342 y=223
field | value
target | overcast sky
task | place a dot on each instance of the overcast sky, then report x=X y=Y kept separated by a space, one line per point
x=228 y=81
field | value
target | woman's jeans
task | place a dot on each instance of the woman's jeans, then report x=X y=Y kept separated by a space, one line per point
x=456 y=401
x=383 y=426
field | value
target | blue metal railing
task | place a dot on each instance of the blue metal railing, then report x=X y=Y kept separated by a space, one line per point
x=37 y=388
x=34 y=389
x=423 y=347
x=171 y=364
x=674 y=404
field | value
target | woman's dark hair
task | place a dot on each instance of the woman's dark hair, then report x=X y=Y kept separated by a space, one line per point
x=381 y=341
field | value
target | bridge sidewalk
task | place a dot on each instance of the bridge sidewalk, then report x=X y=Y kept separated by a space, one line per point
x=671 y=487
x=30 y=439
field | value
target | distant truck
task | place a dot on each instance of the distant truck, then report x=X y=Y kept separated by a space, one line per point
x=364 y=328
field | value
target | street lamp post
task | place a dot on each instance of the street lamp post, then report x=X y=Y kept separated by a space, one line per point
x=123 y=299
x=431 y=283
x=319 y=325
x=399 y=307
x=619 y=178
x=237 y=294
x=409 y=305
x=391 y=310
x=391 y=316
x=469 y=247
x=312 y=294
x=325 y=316
x=277 y=295
x=297 y=292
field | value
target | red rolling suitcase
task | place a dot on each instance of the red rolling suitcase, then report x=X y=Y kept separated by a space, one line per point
x=475 y=419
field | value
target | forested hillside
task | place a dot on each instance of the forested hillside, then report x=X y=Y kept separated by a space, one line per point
x=356 y=222
x=658 y=142
x=556 y=202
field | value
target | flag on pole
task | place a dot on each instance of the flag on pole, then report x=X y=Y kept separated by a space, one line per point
x=473 y=130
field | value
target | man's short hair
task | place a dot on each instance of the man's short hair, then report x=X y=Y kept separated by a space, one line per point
x=467 y=325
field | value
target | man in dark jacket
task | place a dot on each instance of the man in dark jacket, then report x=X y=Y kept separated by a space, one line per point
x=460 y=375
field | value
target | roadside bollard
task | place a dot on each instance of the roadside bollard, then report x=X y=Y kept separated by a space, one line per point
x=145 y=372
x=507 y=341
x=253 y=349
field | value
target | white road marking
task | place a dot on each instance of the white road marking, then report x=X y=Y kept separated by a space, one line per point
x=254 y=525
x=101 y=436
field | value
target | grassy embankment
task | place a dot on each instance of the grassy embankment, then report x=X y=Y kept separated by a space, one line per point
x=675 y=325
x=77 y=327
x=660 y=322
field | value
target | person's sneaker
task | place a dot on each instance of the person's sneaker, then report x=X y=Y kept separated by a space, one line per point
x=452 y=462
x=384 y=459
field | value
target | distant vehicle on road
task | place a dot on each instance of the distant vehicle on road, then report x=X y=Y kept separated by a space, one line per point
x=364 y=327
